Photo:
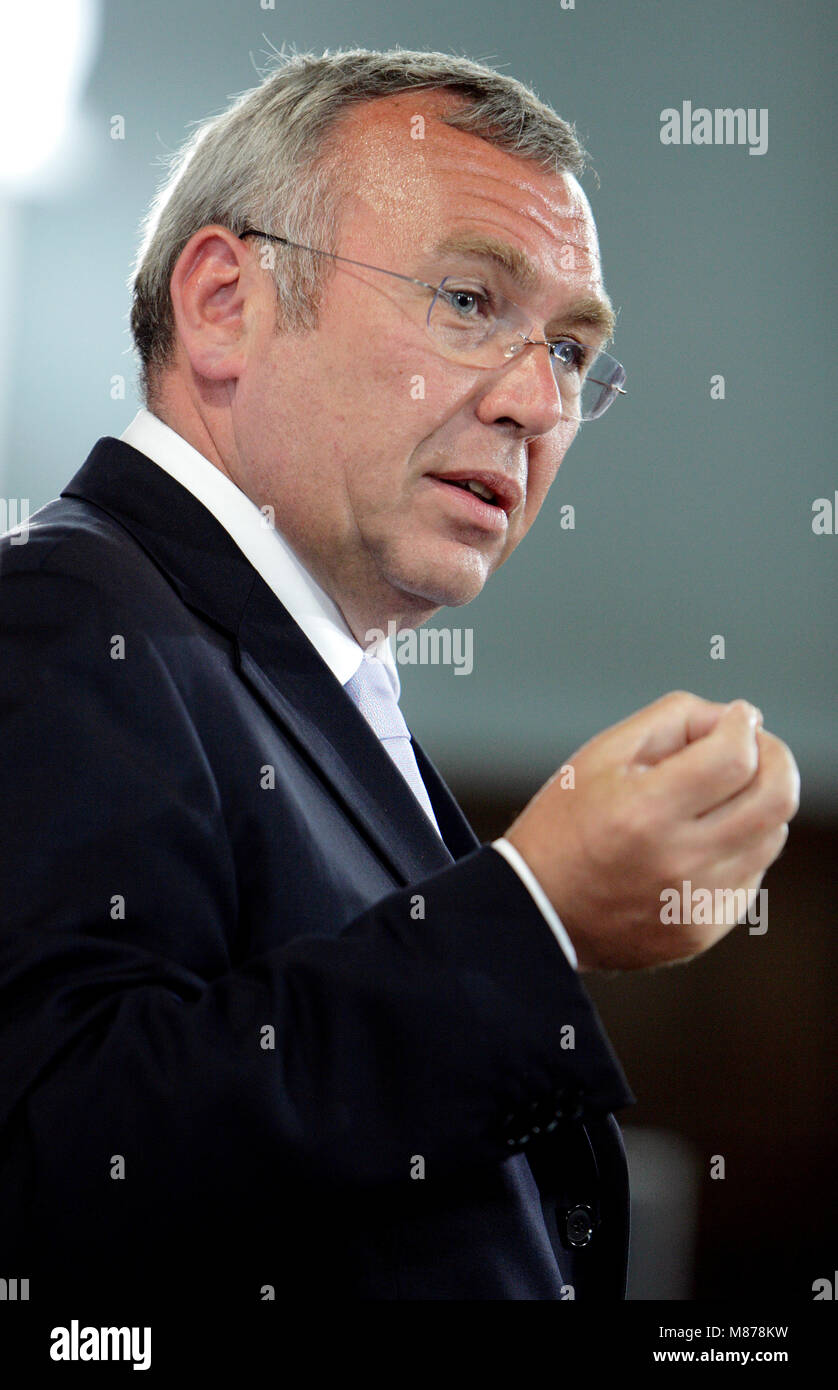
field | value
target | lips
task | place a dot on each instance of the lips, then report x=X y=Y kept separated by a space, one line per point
x=495 y=489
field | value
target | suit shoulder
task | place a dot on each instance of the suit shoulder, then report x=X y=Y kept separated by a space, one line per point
x=71 y=539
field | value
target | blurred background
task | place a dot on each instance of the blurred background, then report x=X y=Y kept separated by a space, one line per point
x=693 y=502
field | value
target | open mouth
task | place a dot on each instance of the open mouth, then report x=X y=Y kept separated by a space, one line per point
x=493 y=495
x=479 y=489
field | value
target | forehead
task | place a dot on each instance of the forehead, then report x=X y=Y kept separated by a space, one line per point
x=417 y=180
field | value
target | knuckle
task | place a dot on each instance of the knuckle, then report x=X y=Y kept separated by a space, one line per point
x=782 y=782
x=676 y=699
x=673 y=699
x=742 y=762
x=771 y=753
x=786 y=803
x=774 y=807
x=766 y=849
x=792 y=783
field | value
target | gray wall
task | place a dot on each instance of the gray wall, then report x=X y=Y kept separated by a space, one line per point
x=693 y=516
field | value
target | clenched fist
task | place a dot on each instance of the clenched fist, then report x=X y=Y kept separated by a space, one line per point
x=683 y=790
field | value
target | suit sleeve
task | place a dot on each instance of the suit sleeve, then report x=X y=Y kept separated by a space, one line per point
x=331 y=1058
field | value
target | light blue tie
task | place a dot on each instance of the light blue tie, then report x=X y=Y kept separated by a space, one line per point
x=373 y=693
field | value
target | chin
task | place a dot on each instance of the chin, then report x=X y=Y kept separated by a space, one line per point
x=437 y=577
x=445 y=590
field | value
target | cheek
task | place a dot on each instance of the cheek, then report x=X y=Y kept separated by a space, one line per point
x=386 y=413
x=544 y=462
x=409 y=424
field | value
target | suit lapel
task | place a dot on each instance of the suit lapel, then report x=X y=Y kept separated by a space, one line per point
x=327 y=727
x=275 y=658
x=456 y=831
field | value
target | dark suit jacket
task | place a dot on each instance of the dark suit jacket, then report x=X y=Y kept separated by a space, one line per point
x=246 y=993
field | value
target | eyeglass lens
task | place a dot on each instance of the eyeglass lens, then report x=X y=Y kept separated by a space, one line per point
x=466 y=327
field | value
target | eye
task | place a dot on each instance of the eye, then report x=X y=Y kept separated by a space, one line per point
x=469 y=303
x=576 y=357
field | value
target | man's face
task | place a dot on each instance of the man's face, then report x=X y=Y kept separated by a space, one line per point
x=350 y=430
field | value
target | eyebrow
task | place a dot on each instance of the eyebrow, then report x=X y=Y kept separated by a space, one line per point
x=591 y=311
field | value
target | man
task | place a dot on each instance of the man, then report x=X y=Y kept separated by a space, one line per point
x=274 y=1023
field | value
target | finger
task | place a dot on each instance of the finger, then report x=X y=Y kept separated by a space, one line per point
x=772 y=798
x=710 y=770
x=750 y=863
x=666 y=726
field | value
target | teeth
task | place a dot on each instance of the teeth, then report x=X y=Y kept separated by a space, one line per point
x=481 y=490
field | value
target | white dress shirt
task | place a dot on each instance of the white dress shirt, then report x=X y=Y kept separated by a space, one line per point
x=310 y=606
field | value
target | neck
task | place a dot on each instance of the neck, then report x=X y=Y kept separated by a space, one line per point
x=368 y=607
x=371 y=621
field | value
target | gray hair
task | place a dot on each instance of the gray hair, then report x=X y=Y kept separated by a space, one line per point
x=268 y=162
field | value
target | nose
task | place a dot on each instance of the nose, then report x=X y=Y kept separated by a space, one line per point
x=524 y=392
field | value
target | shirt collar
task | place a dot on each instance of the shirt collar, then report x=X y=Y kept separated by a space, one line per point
x=263 y=545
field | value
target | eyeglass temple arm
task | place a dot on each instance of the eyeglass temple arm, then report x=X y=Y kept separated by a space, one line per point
x=269 y=236
x=410 y=279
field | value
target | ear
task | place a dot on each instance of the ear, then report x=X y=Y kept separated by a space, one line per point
x=210 y=286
